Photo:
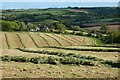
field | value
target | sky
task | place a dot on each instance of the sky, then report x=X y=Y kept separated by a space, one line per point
x=26 y=4
x=60 y=0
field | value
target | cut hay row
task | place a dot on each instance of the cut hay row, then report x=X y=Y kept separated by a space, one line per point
x=59 y=36
x=20 y=41
x=1 y=40
x=4 y=42
x=38 y=40
x=79 y=39
x=72 y=39
x=14 y=41
x=73 y=55
x=61 y=41
x=26 y=40
x=43 y=39
x=34 y=41
x=11 y=41
x=54 y=39
x=50 y=40
x=81 y=48
x=17 y=40
x=6 y=38
x=99 y=54
x=69 y=40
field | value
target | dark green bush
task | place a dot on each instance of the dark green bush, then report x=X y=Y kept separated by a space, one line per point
x=6 y=58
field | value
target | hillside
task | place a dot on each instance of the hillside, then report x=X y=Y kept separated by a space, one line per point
x=36 y=40
x=67 y=42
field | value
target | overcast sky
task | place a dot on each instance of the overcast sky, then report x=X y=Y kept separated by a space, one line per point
x=60 y=0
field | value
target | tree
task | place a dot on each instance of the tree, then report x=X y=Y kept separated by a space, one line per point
x=7 y=26
x=24 y=26
x=76 y=28
x=30 y=26
x=17 y=26
x=104 y=28
x=61 y=27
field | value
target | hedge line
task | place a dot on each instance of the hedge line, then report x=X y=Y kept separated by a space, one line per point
x=60 y=60
x=49 y=60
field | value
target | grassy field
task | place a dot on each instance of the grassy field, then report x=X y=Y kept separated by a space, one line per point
x=36 y=55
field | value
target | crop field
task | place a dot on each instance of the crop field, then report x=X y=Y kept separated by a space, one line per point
x=34 y=40
x=36 y=55
x=111 y=28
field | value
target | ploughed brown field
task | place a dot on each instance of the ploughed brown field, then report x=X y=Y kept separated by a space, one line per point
x=34 y=45
x=111 y=28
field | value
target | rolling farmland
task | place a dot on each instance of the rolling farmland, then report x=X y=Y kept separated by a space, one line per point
x=60 y=42
x=55 y=56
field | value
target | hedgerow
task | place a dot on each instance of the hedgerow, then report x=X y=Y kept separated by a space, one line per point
x=59 y=60
x=49 y=60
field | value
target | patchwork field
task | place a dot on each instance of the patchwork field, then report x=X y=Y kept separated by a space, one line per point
x=111 y=28
x=36 y=55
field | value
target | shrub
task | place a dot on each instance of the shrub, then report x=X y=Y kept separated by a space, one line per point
x=20 y=59
x=52 y=60
x=6 y=58
x=90 y=63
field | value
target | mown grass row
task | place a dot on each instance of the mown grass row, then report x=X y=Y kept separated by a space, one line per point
x=109 y=46
x=79 y=40
x=54 y=39
x=63 y=39
x=20 y=40
x=70 y=39
x=7 y=41
x=49 y=60
x=61 y=54
x=44 y=39
x=33 y=41
x=88 y=49
x=77 y=59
